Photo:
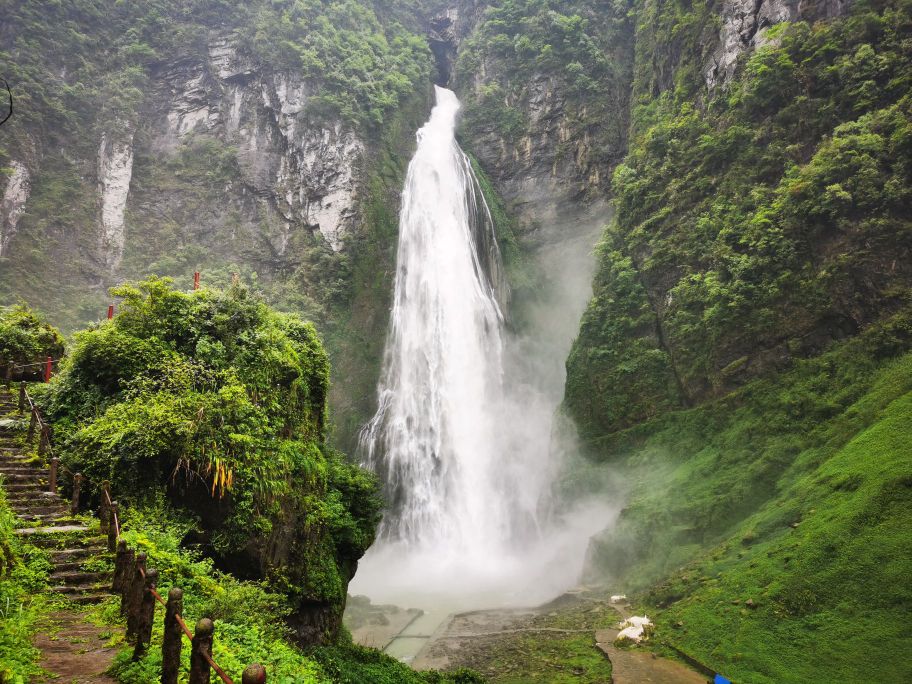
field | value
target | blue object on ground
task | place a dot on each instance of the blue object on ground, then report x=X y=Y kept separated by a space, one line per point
x=721 y=680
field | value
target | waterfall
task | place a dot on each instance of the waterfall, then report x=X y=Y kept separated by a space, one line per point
x=434 y=439
x=461 y=438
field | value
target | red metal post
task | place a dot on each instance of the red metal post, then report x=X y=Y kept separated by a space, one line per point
x=196 y=280
x=47 y=369
x=110 y=311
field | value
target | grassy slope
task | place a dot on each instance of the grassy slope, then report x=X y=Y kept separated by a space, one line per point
x=793 y=494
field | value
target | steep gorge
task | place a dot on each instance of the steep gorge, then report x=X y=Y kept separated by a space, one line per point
x=749 y=163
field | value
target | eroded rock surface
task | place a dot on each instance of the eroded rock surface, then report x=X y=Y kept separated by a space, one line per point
x=12 y=206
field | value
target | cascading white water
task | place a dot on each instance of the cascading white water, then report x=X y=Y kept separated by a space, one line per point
x=434 y=439
x=463 y=451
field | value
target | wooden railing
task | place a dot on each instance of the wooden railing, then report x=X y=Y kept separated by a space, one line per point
x=136 y=584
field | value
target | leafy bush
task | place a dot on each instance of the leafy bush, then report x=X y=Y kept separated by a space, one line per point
x=25 y=337
x=220 y=401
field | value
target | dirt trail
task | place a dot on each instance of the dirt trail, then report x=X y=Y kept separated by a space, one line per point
x=74 y=651
x=632 y=666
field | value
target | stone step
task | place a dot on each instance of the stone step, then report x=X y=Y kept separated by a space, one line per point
x=33 y=475
x=78 y=588
x=79 y=578
x=70 y=565
x=12 y=470
x=43 y=498
x=23 y=487
x=88 y=599
x=15 y=459
x=37 y=502
x=19 y=470
x=78 y=554
x=26 y=510
x=49 y=531
x=50 y=519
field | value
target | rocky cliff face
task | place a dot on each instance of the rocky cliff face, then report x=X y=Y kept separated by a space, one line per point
x=15 y=196
x=745 y=26
x=547 y=143
x=304 y=174
x=115 y=170
x=284 y=176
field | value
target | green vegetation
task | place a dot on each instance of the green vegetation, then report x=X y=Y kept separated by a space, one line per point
x=221 y=402
x=197 y=202
x=23 y=599
x=767 y=529
x=247 y=615
x=756 y=223
x=365 y=68
x=361 y=64
x=25 y=337
x=744 y=364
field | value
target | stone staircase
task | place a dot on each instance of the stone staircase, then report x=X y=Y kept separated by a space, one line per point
x=45 y=518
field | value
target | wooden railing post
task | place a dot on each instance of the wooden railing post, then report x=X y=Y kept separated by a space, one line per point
x=172 y=639
x=112 y=527
x=21 y=397
x=254 y=674
x=52 y=477
x=124 y=562
x=145 y=615
x=132 y=597
x=33 y=422
x=104 y=512
x=44 y=441
x=201 y=644
x=77 y=490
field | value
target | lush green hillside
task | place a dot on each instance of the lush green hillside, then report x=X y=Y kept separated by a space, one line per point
x=206 y=412
x=762 y=231
x=756 y=223
x=767 y=529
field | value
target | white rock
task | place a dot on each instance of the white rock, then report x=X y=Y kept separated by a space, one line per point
x=633 y=629
x=115 y=170
x=13 y=204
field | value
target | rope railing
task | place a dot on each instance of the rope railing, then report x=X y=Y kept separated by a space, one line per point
x=20 y=366
x=13 y=368
x=137 y=585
